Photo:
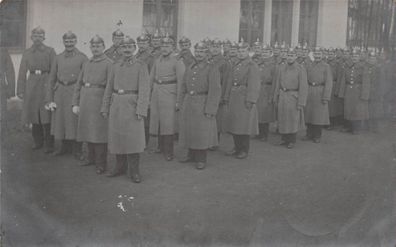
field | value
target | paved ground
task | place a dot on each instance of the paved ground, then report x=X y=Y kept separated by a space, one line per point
x=338 y=193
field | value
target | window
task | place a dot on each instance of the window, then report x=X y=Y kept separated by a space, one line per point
x=308 y=22
x=369 y=23
x=282 y=11
x=251 y=20
x=160 y=15
x=13 y=24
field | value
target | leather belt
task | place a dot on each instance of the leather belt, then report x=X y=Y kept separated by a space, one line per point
x=288 y=89
x=192 y=93
x=268 y=83
x=67 y=83
x=122 y=91
x=315 y=84
x=238 y=85
x=37 y=72
x=165 y=82
x=90 y=85
x=353 y=83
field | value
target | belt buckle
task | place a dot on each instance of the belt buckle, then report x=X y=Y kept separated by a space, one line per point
x=192 y=92
x=283 y=89
x=313 y=83
x=37 y=72
x=159 y=81
x=235 y=84
x=87 y=84
x=121 y=91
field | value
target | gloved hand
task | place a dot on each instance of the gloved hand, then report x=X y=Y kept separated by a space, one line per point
x=300 y=107
x=105 y=115
x=50 y=106
x=210 y=116
x=324 y=102
x=139 y=117
x=76 y=109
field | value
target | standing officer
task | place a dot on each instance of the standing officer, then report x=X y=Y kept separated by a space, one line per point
x=336 y=104
x=290 y=95
x=144 y=53
x=233 y=54
x=7 y=86
x=265 y=106
x=242 y=92
x=166 y=78
x=226 y=48
x=87 y=102
x=37 y=62
x=156 y=45
x=320 y=81
x=114 y=52
x=219 y=61
x=199 y=100
x=185 y=53
x=125 y=103
x=62 y=79
x=355 y=89
x=257 y=50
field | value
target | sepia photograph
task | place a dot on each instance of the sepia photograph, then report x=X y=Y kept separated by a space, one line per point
x=198 y=123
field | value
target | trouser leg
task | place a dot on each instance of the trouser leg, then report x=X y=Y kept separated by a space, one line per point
x=245 y=143
x=121 y=163
x=100 y=156
x=90 y=153
x=316 y=131
x=237 y=145
x=147 y=127
x=77 y=149
x=48 y=138
x=356 y=126
x=167 y=141
x=133 y=167
x=291 y=138
x=200 y=155
x=38 y=135
x=309 y=134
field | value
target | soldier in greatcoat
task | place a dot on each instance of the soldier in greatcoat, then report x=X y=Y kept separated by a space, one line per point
x=290 y=96
x=226 y=48
x=87 y=102
x=32 y=86
x=355 y=90
x=320 y=83
x=232 y=57
x=115 y=52
x=185 y=54
x=7 y=86
x=243 y=89
x=265 y=106
x=125 y=103
x=257 y=50
x=336 y=104
x=217 y=60
x=62 y=79
x=156 y=45
x=165 y=78
x=200 y=97
x=376 y=76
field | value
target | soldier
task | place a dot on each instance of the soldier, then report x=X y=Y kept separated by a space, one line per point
x=302 y=57
x=125 y=103
x=257 y=50
x=144 y=54
x=166 y=78
x=7 y=86
x=377 y=91
x=320 y=82
x=87 y=102
x=156 y=45
x=355 y=90
x=290 y=95
x=232 y=54
x=226 y=48
x=114 y=52
x=185 y=53
x=37 y=62
x=63 y=76
x=276 y=53
x=243 y=89
x=336 y=104
x=199 y=100
x=265 y=107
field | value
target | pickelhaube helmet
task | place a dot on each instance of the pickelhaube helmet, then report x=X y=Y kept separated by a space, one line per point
x=291 y=51
x=184 y=40
x=156 y=36
x=38 y=31
x=216 y=42
x=227 y=42
x=201 y=46
x=242 y=44
x=257 y=43
x=118 y=33
x=128 y=41
x=206 y=41
x=355 y=51
x=267 y=47
x=167 y=40
x=284 y=47
x=234 y=45
x=143 y=38
x=96 y=40
x=69 y=35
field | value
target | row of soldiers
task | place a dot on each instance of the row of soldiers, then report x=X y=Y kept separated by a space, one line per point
x=119 y=97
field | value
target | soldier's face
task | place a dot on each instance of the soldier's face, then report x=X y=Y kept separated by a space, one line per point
x=291 y=58
x=243 y=53
x=69 y=44
x=143 y=46
x=97 y=49
x=128 y=49
x=185 y=46
x=166 y=49
x=156 y=43
x=318 y=56
x=233 y=52
x=372 y=60
x=266 y=54
x=117 y=40
x=355 y=58
x=257 y=50
x=226 y=48
x=276 y=52
x=215 y=50
x=37 y=39
x=200 y=54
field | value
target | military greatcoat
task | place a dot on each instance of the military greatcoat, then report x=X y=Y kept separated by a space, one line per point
x=265 y=107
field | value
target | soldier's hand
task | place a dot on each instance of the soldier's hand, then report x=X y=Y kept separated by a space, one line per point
x=105 y=115
x=139 y=117
x=76 y=109
x=177 y=107
x=210 y=116
x=248 y=105
x=300 y=107
x=324 y=102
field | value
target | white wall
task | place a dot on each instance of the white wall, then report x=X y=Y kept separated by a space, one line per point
x=332 y=23
x=85 y=18
x=209 y=18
